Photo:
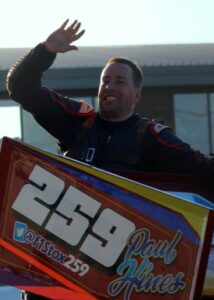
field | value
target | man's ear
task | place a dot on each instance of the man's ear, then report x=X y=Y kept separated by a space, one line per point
x=138 y=95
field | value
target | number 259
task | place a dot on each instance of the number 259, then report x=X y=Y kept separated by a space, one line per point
x=72 y=217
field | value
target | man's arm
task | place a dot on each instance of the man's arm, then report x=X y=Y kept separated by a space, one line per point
x=170 y=154
x=24 y=78
x=58 y=114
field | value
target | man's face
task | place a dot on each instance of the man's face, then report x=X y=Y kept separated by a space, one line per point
x=117 y=96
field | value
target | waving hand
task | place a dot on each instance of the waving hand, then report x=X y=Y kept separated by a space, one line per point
x=60 y=40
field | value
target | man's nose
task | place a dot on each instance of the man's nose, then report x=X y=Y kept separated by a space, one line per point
x=110 y=86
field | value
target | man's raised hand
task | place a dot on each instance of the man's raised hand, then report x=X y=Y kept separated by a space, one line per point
x=61 y=39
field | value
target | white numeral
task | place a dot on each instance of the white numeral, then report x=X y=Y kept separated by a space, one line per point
x=76 y=265
x=114 y=230
x=48 y=189
x=72 y=225
x=71 y=220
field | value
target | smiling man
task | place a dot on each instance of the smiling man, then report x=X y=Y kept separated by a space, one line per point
x=120 y=89
x=116 y=138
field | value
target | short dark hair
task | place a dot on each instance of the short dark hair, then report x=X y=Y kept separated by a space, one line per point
x=136 y=69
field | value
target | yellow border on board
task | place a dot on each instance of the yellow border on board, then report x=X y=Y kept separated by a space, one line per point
x=195 y=215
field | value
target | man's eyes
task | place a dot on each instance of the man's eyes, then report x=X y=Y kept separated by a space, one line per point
x=120 y=81
x=117 y=82
x=105 y=82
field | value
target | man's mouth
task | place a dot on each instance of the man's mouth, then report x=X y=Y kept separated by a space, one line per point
x=110 y=99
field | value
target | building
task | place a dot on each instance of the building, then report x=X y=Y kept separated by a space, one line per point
x=178 y=87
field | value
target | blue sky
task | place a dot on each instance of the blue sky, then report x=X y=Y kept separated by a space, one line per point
x=25 y=23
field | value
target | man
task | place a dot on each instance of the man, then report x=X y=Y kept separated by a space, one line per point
x=115 y=138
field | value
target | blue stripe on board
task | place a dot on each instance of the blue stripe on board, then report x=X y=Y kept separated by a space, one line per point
x=162 y=215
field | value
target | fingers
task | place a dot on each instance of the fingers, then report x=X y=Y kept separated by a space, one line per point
x=64 y=24
x=72 y=47
x=61 y=39
x=73 y=29
x=78 y=35
x=73 y=25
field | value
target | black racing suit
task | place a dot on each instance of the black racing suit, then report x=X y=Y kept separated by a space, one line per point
x=133 y=144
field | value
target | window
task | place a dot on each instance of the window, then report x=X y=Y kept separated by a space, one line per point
x=35 y=135
x=212 y=122
x=90 y=100
x=10 y=124
x=15 y=122
x=194 y=120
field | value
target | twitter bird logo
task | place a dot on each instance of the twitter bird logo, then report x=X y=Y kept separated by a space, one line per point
x=19 y=231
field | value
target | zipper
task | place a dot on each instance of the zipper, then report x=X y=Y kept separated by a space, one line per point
x=108 y=139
